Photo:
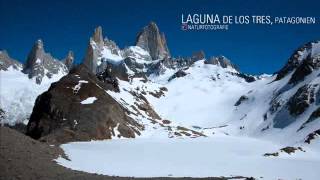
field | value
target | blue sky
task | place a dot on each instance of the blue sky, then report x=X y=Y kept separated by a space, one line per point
x=67 y=25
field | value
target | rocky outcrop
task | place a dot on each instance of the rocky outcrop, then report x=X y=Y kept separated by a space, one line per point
x=305 y=68
x=69 y=60
x=302 y=99
x=242 y=99
x=6 y=61
x=287 y=111
x=178 y=74
x=303 y=60
x=153 y=41
x=40 y=64
x=199 y=55
x=221 y=61
x=64 y=113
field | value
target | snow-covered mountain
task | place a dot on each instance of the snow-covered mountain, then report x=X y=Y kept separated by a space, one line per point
x=143 y=92
x=205 y=95
x=20 y=84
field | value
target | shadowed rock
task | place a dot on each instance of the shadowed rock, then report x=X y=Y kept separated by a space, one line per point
x=59 y=116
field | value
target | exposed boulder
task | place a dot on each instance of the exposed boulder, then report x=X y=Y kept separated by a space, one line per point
x=6 y=61
x=40 y=64
x=60 y=114
x=151 y=40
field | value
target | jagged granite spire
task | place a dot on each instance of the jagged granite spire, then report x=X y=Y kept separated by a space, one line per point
x=97 y=36
x=40 y=64
x=153 y=41
x=36 y=53
x=68 y=61
x=100 y=51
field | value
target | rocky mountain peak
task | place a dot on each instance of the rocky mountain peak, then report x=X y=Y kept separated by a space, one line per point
x=35 y=56
x=221 y=61
x=97 y=36
x=39 y=44
x=40 y=64
x=68 y=61
x=198 y=55
x=151 y=40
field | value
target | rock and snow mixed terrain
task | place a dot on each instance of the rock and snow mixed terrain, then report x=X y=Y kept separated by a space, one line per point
x=192 y=116
x=20 y=84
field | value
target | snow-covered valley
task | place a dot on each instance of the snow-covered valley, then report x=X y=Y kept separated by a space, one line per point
x=220 y=155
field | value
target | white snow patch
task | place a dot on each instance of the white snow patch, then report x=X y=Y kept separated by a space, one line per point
x=89 y=100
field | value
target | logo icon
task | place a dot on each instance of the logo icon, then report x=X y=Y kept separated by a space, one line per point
x=184 y=26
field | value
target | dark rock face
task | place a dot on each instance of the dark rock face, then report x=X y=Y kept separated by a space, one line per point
x=6 y=61
x=91 y=59
x=69 y=60
x=241 y=100
x=294 y=61
x=152 y=41
x=312 y=136
x=306 y=68
x=40 y=64
x=59 y=116
x=178 y=74
x=286 y=112
x=247 y=78
x=301 y=100
x=303 y=61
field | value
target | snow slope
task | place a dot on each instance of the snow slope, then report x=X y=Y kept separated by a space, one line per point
x=18 y=94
